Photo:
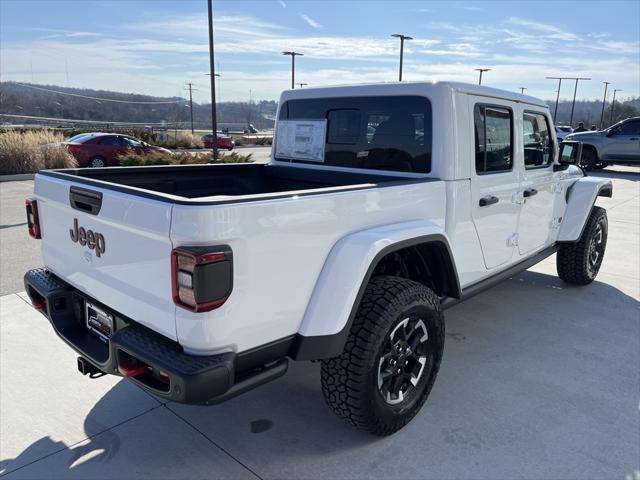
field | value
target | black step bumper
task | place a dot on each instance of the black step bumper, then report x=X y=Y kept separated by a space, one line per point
x=152 y=361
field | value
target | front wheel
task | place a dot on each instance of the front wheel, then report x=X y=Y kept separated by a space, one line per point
x=589 y=159
x=579 y=262
x=391 y=357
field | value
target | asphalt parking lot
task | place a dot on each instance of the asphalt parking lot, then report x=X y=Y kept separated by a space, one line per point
x=539 y=380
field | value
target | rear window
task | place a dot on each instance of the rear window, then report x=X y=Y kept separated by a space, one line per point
x=83 y=137
x=380 y=133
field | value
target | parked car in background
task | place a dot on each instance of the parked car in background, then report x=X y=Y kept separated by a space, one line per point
x=104 y=149
x=224 y=141
x=562 y=131
x=618 y=144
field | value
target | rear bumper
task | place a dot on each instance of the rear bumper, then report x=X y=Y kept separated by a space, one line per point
x=170 y=373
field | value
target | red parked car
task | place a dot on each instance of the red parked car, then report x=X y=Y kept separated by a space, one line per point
x=224 y=141
x=103 y=149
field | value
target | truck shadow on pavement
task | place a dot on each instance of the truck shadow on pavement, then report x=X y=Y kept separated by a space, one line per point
x=538 y=326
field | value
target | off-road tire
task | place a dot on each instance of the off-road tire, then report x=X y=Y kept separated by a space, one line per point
x=575 y=260
x=96 y=162
x=350 y=380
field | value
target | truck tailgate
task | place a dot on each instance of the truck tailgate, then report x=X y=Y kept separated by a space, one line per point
x=124 y=262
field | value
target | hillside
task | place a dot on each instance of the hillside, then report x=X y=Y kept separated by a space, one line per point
x=40 y=101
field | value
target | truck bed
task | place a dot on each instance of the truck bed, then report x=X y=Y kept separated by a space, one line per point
x=224 y=182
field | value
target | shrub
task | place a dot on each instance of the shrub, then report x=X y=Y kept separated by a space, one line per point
x=182 y=140
x=30 y=151
x=181 y=158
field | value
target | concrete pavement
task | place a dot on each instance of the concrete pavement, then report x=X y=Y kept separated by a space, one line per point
x=539 y=380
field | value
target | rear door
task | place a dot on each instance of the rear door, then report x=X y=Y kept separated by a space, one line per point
x=494 y=180
x=538 y=187
x=119 y=253
x=624 y=143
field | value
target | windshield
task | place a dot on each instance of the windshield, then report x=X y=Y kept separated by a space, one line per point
x=380 y=133
x=83 y=137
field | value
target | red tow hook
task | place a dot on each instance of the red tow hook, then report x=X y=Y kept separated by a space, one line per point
x=128 y=369
x=39 y=304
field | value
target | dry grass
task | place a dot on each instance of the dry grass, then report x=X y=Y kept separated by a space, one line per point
x=182 y=140
x=157 y=158
x=28 y=152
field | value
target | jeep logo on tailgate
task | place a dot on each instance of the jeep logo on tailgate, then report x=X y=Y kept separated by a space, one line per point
x=93 y=240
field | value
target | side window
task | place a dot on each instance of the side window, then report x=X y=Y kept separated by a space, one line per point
x=493 y=138
x=110 y=141
x=630 y=128
x=538 y=145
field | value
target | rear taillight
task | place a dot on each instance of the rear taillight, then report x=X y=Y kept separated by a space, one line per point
x=201 y=277
x=33 y=220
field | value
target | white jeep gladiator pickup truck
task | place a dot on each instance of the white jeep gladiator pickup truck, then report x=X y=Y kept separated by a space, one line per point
x=382 y=206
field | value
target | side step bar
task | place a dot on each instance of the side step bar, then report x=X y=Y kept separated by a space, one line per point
x=250 y=382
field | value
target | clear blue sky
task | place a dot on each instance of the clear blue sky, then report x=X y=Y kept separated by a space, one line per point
x=156 y=46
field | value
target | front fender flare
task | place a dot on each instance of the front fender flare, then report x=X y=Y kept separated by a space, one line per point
x=343 y=279
x=581 y=197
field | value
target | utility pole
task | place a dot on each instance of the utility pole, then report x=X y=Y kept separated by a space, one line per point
x=604 y=101
x=293 y=66
x=522 y=89
x=302 y=84
x=402 y=39
x=613 y=104
x=214 y=122
x=481 y=70
x=191 y=104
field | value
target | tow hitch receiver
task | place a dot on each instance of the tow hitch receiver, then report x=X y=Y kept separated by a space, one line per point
x=87 y=368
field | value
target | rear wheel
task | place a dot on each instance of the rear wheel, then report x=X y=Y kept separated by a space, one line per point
x=579 y=262
x=391 y=357
x=97 y=162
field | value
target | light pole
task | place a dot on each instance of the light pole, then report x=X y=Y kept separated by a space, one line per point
x=402 y=39
x=555 y=112
x=522 y=89
x=575 y=91
x=481 y=70
x=293 y=66
x=214 y=121
x=604 y=101
x=613 y=104
x=219 y=95
x=302 y=84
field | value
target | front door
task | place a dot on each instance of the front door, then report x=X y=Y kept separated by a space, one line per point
x=494 y=181
x=537 y=191
x=623 y=143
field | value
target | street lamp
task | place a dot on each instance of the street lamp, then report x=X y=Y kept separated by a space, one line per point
x=302 y=84
x=214 y=120
x=522 y=89
x=293 y=66
x=604 y=101
x=575 y=91
x=481 y=70
x=402 y=39
x=613 y=104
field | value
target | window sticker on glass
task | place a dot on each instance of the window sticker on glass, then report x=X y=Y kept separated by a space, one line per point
x=301 y=139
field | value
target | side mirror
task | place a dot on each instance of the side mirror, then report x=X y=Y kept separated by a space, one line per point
x=612 y=132
x=570 y=154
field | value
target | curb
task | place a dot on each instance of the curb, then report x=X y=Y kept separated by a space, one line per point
x=17 y=178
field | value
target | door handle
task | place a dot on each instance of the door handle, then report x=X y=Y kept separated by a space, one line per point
x=488 y=200
x=529 y=192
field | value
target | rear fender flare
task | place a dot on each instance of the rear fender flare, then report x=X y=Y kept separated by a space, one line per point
x=344 y=277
